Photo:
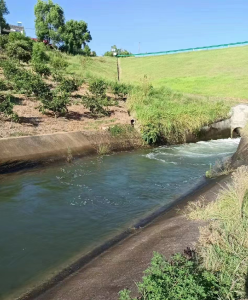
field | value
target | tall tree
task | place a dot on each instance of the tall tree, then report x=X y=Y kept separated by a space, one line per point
x=3 y=11
x=49 y=22
x=76 y=35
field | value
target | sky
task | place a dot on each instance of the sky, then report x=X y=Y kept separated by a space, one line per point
x=148 y=25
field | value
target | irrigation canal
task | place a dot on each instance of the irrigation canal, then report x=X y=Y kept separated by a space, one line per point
x=51 y=216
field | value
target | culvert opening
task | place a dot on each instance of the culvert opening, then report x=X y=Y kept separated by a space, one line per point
x=236 y=132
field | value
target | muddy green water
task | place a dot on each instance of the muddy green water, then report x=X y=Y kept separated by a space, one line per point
x=50 y=216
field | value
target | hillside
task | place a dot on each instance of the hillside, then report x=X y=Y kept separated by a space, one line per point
x=219 y=73
x=222 y=72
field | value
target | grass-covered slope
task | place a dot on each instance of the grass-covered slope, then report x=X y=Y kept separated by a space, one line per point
x=222 y=72
x=88 y=67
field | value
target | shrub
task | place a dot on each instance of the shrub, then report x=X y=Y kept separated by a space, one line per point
x=95 y=105
x=6 y=107
x=98 y=88
x=30 y=83
x=57 y=102
x=120 y=89
x=69 y=85
x=17 y=36
x=39 y=53
x=180 y=278
x=57 y=61
x=20 y=50
x=3 y=85
x=10 y=68
x=3 y=41
x=42 y=69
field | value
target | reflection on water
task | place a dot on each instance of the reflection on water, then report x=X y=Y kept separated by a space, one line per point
x=50 y=215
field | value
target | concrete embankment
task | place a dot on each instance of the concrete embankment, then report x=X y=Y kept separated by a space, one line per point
x=19 y=152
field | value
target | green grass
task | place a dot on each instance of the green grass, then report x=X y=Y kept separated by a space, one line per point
x=222 y=72
x=223 y=243
x=89 y=67
x=166 y=116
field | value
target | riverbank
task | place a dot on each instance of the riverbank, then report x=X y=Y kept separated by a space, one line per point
x=23 y=152
x=123 y=264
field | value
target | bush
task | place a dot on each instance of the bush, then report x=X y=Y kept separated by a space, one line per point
x=42 y=69
x=69 y=85
x=17 y=36
x=120 y=89
x=98 y=88
x=3 y=41
x=181 y=278
x=57 y=103
x=30 y=83
x=10 y=68
x=95 y=105
x=57 y=61
x=39 y=53
x=6 y=107
x=19 y=50
x=3 y=85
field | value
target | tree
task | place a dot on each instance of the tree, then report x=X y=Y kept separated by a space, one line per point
x=76 y=35
x=3 y=11
x=118 y=51
x=49 y=22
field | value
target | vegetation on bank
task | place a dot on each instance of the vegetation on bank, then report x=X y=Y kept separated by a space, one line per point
x=223 y=242
x=217 y=269
x=167 y=116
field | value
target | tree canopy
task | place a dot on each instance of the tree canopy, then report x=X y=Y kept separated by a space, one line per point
x=3 y=11
x=118 y=51
x=75 y=35
x=49 y=22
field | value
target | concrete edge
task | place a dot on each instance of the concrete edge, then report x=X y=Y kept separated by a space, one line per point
x=203 y=185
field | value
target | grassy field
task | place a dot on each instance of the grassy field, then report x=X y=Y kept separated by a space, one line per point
x=218 y=73
x=222 y=72
x=87 y=67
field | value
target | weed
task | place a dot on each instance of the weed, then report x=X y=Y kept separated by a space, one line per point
x=220 y=168
x=69 y=157
x=103 y=149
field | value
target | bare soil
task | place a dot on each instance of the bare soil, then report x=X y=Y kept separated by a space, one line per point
x=33 y=122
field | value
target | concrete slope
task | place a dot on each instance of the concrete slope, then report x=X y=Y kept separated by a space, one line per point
x=123 y=265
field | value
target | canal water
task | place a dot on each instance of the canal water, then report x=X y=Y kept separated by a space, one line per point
x=50 y=216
